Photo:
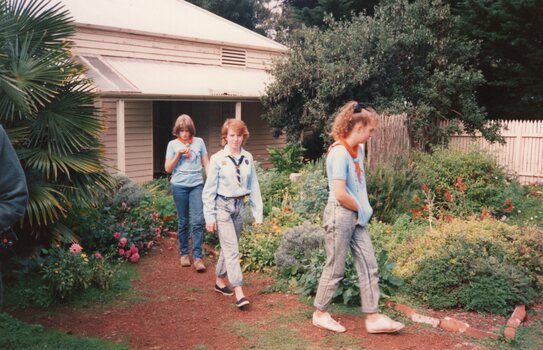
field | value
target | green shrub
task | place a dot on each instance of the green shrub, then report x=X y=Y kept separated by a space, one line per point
x=288 y=159
x=391 y=187
x=67 y=272
x=297 y=244
x=473 y=179
x=129 y=195
x=311 y=191
x=257 y=248
x=477 y=265
x=275 y=187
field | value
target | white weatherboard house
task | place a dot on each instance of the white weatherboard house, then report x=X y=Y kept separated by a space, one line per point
x=154 y=60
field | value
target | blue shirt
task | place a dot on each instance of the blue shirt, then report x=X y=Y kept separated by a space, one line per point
x=340 y=166
x=222 y=180
x=187 y=172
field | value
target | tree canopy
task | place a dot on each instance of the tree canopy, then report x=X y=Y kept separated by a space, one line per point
x=408 y=58
x=510 y=33
x=251 y=14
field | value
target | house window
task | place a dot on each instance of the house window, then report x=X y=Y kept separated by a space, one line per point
x=233 y=57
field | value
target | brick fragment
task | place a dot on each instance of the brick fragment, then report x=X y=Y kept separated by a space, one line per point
x=453 y=325
x=519 y=313
x=513 y=322
x=405 y=309
x=510 y=332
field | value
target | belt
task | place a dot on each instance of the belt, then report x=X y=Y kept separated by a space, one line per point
x=236 y=198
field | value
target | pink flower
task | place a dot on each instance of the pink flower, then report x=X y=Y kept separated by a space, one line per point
x=122 y=242
x=150 y=244
x=121 y=251
x=127 y=253
x=75 y=248
x=157 y=231
x=97 y=255
x=134 y=258
x=133 y=249
x=117 y=235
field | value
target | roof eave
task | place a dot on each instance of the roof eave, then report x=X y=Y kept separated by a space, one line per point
x=179 y=37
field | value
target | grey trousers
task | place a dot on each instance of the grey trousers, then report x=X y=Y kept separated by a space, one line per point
x=341 y=234
x=229 y=225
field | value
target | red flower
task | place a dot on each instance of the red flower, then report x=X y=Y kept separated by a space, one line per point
x=485 y=214
x=135 y=258
x=460 y=184
x=417 y=199
x=509 y=205
x=167 y=218
x=448 y=196
x=117 y=235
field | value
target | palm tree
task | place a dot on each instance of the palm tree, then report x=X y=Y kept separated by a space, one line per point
x=47 y=108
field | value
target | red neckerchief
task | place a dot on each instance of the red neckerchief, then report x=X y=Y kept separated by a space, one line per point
x=353 y=152
x=186 y=144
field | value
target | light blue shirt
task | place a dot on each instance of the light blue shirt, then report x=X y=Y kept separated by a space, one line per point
x=222 y=180
x=340 y=166
x=188 y=171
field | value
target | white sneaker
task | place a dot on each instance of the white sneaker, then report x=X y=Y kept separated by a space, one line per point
x=327 y=322
x=383 y=324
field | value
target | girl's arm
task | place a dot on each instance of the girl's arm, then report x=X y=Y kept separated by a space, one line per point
x=209 y=194
x=345 y=199
x=169 y=164
x=205 y=163
x=255 y=198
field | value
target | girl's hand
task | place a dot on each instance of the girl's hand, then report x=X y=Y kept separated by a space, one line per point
x=211 y=227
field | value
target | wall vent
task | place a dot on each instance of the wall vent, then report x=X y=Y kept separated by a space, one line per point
x=233 y=57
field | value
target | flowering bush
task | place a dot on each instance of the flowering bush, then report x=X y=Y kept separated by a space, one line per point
x=67 y=271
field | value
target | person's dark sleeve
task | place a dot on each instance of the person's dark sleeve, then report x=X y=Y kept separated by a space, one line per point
x=13 y=190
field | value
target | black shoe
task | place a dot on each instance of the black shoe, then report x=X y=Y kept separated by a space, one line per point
x=224 y=290
x=242 y=302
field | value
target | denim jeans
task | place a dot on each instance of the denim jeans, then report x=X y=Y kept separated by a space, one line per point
x=341 y=234
x=189 y=199
x=229 y=225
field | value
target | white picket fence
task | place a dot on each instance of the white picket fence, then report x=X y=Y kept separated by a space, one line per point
x=521 y=155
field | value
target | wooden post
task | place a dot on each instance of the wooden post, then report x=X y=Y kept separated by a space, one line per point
x=121 y=138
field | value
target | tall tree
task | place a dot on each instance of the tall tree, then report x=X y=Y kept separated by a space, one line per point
x=511 y=55
x=408 y=58
x=47 y=109
x=313 y=12
x=251 y=14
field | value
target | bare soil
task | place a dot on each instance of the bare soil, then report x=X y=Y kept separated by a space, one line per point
x=180 y=310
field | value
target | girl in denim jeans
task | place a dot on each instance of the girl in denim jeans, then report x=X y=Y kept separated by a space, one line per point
x=346 y=215
x=185 y=157
x=231 y=178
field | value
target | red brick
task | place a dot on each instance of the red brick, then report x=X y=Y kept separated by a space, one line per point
x=480 y=334
x=513 y=322
x=453 y=325
x=519 y=313
x=510 y=332
x=405 y=309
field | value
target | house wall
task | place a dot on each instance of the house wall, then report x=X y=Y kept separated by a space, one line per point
x=138 y=138
x=117 y=44
x=260 y=138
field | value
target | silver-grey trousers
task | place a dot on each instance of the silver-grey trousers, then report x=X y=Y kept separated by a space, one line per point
x=342 y=233
x=229 y=225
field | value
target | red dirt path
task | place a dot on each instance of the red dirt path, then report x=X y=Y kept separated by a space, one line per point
x=180 y=310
